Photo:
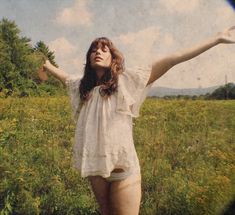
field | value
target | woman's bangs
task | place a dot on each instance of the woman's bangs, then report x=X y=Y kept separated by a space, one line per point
x=100 y=42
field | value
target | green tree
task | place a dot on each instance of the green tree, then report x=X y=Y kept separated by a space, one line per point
x=232 y=93
x=19 y=63
x=43 y=48
x=15 y=70
x=224 y=92
x=6 y=67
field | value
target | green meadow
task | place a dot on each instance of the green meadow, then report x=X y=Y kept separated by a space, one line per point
x=186 y=150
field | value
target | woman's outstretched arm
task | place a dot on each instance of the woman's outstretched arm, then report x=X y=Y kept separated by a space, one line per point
x=56 y=72
x=162 y=65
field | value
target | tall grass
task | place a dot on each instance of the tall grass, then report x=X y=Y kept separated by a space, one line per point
x=185 y=147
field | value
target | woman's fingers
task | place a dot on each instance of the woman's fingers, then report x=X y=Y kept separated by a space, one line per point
x=42 y=74
x=227 y=36
x=233 y=27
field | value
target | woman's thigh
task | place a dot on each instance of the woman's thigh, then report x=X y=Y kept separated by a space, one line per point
x=101 y=190
x=125 y=196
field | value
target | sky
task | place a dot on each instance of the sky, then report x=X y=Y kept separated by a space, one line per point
x=143 y=30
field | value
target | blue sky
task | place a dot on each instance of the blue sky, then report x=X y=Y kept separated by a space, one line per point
x=143 y=30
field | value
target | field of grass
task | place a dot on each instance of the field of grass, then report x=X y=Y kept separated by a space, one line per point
x=186 y=150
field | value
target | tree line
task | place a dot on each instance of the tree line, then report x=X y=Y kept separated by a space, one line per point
x=224 y=92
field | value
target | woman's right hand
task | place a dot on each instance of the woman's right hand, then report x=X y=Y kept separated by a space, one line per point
x=53 y=70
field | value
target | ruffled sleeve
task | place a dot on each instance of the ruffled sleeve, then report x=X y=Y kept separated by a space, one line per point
x=72 y=85
x=132 y=90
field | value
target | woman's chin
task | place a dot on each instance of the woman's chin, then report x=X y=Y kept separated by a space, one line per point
x=99 y=66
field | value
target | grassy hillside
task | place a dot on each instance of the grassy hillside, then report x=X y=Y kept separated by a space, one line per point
x=185 y=147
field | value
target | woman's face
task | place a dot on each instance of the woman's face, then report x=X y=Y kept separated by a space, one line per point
x=100 y=57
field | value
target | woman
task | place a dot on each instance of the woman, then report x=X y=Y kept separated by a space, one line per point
x=104 y=102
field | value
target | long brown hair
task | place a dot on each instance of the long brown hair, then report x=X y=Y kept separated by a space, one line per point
x=109 y=81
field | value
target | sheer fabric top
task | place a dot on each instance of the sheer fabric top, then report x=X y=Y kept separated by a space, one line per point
x=103 y=137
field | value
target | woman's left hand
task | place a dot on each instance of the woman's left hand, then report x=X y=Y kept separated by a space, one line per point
x=227 y=36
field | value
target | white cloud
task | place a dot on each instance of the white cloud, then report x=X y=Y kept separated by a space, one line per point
x=67 y=55
x=181 y=6
x=148 y=35
x=77 y=15
x=62 y=47
x=140 y=46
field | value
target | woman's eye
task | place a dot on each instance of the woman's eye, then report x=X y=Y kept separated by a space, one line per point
x=104 y=49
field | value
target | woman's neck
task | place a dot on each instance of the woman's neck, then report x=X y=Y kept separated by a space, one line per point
x=99 y=75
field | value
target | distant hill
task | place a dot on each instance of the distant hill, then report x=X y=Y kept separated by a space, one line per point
x=165 y=91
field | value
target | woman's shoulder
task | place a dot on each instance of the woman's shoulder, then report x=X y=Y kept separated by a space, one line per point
x=135 y=75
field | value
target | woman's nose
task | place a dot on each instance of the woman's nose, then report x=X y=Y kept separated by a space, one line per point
x=98 y=51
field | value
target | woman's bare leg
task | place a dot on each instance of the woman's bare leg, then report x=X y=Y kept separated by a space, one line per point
x=101 y=189
x=125 y=196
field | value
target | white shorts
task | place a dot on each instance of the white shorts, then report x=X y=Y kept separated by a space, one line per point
x=116 y=176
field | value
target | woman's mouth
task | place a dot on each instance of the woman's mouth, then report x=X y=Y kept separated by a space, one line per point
x=98 y=58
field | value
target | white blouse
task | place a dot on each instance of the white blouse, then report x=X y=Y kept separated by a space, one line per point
x=103 y=136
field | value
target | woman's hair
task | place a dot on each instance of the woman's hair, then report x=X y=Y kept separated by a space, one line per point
x=109 y=81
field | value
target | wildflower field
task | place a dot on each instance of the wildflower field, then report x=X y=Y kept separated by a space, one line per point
x=186 y=150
